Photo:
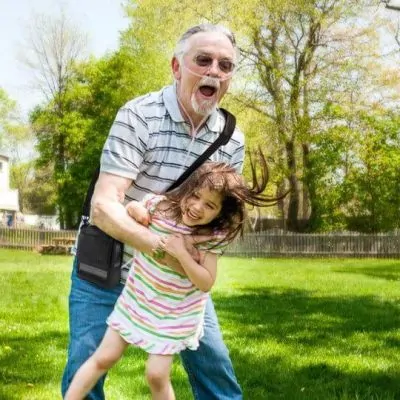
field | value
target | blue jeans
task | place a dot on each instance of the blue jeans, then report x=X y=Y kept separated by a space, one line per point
x=209 y=368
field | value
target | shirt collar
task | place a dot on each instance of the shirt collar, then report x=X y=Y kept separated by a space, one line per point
x=171 y=103
x=214 y=123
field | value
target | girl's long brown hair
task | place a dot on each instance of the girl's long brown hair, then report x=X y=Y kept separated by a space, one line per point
x=234 y=191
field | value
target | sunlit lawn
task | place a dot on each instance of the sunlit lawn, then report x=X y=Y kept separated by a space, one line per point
x=296 y=329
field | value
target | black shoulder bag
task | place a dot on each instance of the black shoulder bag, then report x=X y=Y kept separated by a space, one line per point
x=99 y=256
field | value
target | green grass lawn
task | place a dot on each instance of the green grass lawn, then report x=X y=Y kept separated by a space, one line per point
x=296 y=328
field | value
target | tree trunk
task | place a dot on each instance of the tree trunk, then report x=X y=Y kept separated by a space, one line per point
x=293 y=209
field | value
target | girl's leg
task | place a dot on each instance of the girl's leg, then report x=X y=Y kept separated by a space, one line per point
x=158 y=370
x=107 y=354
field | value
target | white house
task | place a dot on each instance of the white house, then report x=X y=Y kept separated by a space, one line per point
x=8 y=197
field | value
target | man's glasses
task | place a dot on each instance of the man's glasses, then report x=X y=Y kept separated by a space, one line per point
x=226 y=66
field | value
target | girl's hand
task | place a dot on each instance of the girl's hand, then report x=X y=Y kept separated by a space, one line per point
x=138 y=212
x=174 y=245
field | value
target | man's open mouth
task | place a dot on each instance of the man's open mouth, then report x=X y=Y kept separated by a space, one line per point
x=207 y=91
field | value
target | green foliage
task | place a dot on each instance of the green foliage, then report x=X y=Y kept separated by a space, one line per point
x=7 y=107
x=37 y=194
x=98 y=89
x=13 y=132
x=374 y=182
x=356 y=174
x=20 y=177
x=41 y=194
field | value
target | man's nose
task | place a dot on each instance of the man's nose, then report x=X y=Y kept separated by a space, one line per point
x=213 y=69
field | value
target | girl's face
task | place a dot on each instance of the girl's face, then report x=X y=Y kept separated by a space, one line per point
x=201 y=207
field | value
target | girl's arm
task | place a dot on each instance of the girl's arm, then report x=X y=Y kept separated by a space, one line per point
x=202 y=274
x=138 y=212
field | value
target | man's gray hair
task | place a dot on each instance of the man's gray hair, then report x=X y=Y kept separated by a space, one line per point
x=180 y=48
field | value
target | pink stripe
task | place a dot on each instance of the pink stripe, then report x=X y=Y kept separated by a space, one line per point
x=172 y=308
x=179 y=326
x=166 y=283
x=152 y=301
x=187 y=304
x=166 y=348
x=140 y=319
x=133 y=311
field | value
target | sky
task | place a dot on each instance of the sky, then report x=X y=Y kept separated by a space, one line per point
x=101 y=20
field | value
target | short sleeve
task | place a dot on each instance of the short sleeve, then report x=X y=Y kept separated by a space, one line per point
x=238 y=153
x=126 y=143
x=151 y=200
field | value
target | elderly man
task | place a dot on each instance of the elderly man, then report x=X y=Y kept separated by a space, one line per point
x=153 y=139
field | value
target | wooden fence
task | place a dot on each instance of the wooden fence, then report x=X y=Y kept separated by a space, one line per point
x=31 y=238
x=259 y=244
x=287 y=244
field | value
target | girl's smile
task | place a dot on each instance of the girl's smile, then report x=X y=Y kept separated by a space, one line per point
x=201 y=207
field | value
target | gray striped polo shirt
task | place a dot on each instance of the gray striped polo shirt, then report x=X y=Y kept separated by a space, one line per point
x=150 y=143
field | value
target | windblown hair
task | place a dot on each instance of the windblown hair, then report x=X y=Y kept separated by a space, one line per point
x=235 y=195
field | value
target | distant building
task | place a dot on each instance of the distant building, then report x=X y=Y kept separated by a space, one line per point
x=9 y=205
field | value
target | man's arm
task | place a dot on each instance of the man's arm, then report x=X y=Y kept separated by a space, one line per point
x=110 y=215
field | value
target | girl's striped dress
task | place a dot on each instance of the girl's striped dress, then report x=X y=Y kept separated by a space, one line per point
x=160 y=310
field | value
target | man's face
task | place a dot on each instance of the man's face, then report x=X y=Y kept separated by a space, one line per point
x=204 y=75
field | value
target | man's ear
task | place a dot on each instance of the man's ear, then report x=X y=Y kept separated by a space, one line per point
x=176 y=68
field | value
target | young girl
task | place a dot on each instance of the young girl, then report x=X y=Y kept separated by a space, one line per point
x=161 y=310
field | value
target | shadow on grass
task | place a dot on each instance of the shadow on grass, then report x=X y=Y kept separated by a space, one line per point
x=389 y=272
x=344 y=329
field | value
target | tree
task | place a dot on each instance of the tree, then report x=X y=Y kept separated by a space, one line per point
x=372 y=186
x=306 y=55
x=99 y=87
x=53 y=47
x=9 y=119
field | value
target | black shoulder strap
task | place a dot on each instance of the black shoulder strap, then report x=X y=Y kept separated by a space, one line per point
x=223 y=138
x=89 y=194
